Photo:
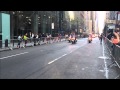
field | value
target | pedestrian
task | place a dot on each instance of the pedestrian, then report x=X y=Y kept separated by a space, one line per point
x=39 y=37
x=25 y=39
x=43 y=37
x=34 y=39
x=19 y=41
x=100 y=38
x=30 y=36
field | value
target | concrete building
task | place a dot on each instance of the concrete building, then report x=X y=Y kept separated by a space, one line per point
x=93 y=21
x=113 y=15
x=22 y=22
x=88 y=21
x=107 y=16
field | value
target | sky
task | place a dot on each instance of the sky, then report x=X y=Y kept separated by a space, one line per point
x=100 y=19
x=71 y=14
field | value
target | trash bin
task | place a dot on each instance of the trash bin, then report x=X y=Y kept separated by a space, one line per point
x=6 y=42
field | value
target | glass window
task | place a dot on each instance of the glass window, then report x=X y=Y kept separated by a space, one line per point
x=0 y=24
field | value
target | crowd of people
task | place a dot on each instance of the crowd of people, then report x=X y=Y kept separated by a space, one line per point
x=37 y=37
x=114 y=36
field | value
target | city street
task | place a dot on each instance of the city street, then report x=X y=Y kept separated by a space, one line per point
x=61 y=60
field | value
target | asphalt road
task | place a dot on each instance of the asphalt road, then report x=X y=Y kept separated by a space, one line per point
x=61 y=60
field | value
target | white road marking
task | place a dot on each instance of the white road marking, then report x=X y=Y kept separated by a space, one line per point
x=101 y=70
x=104 y=57
x=106 y=69
x=64 y=55
x=57 y=59
x=13 y=55
x=83 y=68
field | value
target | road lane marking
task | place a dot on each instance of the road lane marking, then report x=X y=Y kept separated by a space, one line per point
x=57 y=59
x=102 y=70
x=106 y=69
x=65 y=54
x=13 y=55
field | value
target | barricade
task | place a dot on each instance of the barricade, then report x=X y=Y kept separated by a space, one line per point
x=114 y=52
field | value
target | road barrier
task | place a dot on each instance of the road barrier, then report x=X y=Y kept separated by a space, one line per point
x=13 y=43
x=114 y=52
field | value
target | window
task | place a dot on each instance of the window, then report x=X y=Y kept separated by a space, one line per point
x=0 y=25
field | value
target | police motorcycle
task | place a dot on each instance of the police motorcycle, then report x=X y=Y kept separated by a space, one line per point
x=69 y=39
x=90 y=38
x=73 y=40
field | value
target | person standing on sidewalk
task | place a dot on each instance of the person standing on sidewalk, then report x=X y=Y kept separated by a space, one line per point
x=34 y=39
x=43 y=37
x=25 y=39
x=19 y=41
x=30 y=36
x=39 y=37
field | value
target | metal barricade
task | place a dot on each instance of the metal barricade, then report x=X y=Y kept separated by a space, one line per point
x=115 y=53
x=13 y=43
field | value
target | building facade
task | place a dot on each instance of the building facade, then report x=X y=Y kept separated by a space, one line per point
x=88 y=21
x=22 y=22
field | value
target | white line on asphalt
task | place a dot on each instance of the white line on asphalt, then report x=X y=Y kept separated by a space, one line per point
x=57 y=59
x=63 y=55
x=106 y=69
x=13 y=55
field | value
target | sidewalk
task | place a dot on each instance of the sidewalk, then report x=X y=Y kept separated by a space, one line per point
x=11 y=47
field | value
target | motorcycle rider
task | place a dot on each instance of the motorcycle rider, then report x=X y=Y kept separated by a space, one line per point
x=73 y=37
x=90 y=37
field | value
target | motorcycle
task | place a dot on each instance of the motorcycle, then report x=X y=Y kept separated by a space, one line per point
x=69 y=39
x=89 y=39
x=73 y=40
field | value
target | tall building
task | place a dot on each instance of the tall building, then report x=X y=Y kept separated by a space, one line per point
x=82 y=20
x=75 y=21
x=107 y=16
x=113 y=15
x=22 y=22
x=93 y=21
x=88 y=21
x=79 y=18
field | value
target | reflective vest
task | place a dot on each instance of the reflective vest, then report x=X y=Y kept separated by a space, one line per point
x=25 y=37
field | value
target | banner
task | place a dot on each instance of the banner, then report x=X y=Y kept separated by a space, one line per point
x=52 y=25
